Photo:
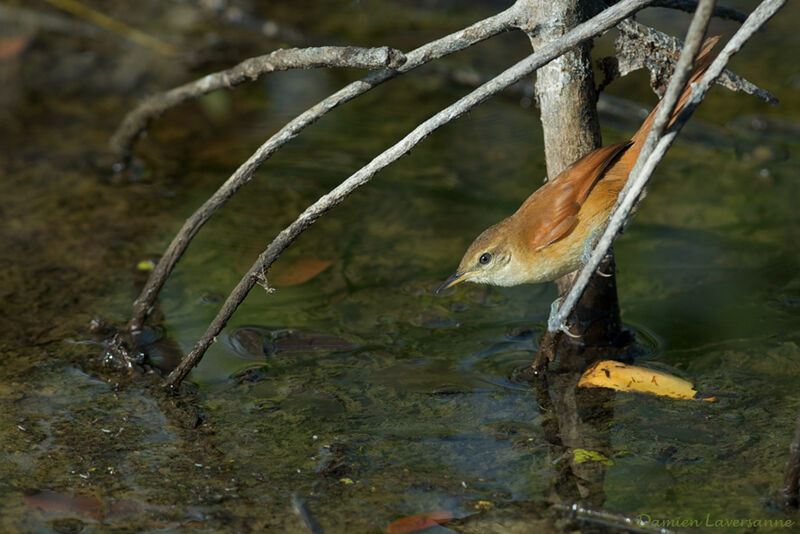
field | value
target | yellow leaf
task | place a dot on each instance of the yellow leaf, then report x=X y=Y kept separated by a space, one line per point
x=617 y=375
x=346 y=481
x=484 y=505
x=146 y=265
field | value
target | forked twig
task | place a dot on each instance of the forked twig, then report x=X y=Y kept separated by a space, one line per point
x=598 y=24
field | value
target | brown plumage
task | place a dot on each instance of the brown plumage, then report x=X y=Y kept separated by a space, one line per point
x=548 y=235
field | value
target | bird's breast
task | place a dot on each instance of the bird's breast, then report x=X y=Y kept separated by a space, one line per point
x=565 y=255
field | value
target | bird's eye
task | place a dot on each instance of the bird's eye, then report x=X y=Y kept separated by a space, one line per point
x=485 y=258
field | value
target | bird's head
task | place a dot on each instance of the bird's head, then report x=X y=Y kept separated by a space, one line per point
x=488 y=260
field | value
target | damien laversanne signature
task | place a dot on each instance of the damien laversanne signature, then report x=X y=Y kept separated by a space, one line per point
x=715 y=522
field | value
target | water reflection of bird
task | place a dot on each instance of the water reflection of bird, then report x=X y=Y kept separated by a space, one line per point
x=550 y=233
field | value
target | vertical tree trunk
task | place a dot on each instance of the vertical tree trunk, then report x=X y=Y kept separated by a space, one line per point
x=565 y=89
x=566 y=98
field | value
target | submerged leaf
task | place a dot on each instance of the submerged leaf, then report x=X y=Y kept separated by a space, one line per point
x=622 y=377
x=13 y=46
x=419 y=522
x=297 y=272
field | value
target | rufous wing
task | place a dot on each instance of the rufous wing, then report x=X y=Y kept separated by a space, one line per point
x=552 y=211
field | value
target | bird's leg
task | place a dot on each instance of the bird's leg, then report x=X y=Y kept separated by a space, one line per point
x=554 y=306
x=559 y=327
x=588 y=247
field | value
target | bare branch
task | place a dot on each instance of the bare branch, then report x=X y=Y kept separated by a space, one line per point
x=649 y=157
x=690 y=6
x=454 y=42
x=598 y=24
x=250 y=69
x=639 y=46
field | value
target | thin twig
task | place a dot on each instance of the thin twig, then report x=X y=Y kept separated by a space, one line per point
x=649 y=157
x=598 y=24
x=690 y=6
x=454 y=42
x=113 y=25
x=136 y=121
x=21 y=17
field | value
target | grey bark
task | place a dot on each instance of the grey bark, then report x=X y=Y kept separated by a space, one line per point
x=565 y=89
x=639 y=46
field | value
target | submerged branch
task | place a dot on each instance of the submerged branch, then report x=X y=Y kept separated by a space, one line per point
x=300 y=507
x=454 y=42
x=650 y=156
x=608 y=519
x=257 y=273
x=250 y=69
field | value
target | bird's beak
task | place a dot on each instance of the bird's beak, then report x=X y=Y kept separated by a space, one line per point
x=456 y=279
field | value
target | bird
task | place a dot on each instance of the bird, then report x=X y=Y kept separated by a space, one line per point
x=555 y=228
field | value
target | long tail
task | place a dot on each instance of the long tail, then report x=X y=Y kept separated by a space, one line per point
x=701 y=65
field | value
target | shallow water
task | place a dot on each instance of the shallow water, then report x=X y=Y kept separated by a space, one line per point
x=357 y=388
